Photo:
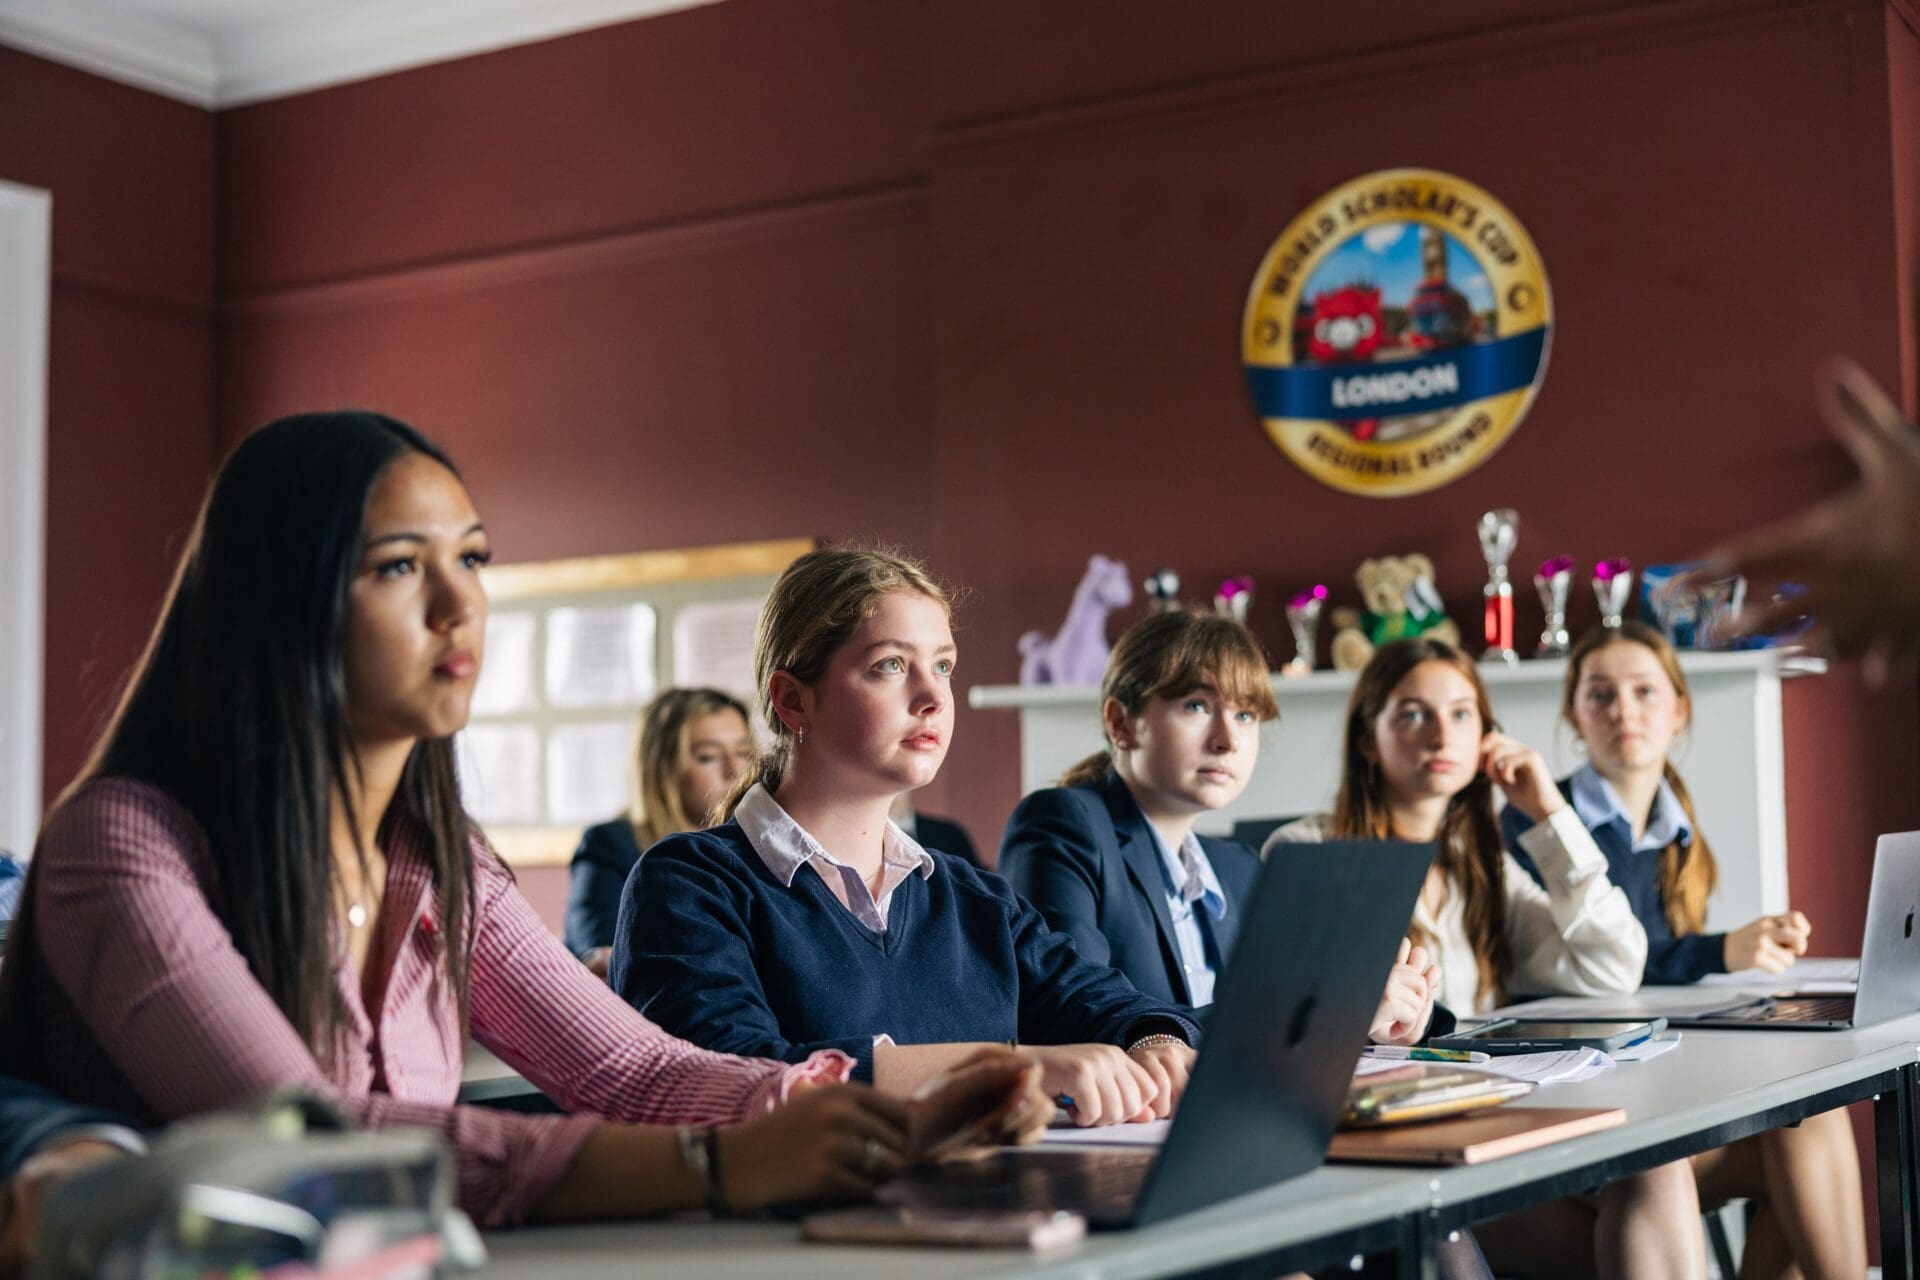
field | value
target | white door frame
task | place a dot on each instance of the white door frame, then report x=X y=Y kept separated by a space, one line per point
x=26 y=225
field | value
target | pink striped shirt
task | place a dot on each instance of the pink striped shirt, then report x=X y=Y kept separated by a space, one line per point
x=156 y=1011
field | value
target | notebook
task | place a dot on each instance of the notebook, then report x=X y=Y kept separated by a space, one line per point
x=1471 y=1139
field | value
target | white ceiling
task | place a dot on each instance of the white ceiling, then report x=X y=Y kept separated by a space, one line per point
x=219 y=53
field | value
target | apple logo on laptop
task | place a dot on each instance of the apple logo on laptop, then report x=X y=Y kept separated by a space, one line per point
x=1297 y=1024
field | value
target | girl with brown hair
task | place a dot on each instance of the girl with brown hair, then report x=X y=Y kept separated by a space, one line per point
x=1421 y=757
x=1110 y=856
x=692 y=745
x=1626 y=697
x=810 y=921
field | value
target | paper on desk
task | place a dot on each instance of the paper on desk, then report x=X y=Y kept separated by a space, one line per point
x=1564 y=1066
x=1150 y=1133
x=1820 y=976
x=1651 y=1048
x=1372 y=1066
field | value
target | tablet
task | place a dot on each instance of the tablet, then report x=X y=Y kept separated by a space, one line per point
x=1531 y=1035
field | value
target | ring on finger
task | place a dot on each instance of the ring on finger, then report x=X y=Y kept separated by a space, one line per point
x=873 y=1159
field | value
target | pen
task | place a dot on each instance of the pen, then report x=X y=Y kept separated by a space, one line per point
x=1424 y=1055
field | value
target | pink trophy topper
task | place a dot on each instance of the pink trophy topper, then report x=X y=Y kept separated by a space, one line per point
x=1553 y=580
x=1235 y=597
x=1612 y=588
x=1303 y=619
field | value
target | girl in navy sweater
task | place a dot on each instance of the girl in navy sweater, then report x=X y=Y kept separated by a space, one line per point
x=1626 y=697
x=809 y=920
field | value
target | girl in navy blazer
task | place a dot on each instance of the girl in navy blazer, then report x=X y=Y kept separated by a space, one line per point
x=1110 y=856
x=692 y=746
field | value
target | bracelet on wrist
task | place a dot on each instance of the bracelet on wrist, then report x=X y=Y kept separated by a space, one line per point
x=1159 y=1038
x=700 y=1150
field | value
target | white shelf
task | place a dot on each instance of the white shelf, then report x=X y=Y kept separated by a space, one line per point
x=1782 y=663
x=1734 y=759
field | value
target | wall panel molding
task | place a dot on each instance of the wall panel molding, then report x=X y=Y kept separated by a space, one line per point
x=596 y=251
x=1356 y=74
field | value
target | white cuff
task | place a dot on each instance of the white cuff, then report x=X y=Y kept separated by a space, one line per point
x=1562 y=847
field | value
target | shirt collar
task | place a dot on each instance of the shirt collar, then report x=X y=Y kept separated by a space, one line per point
x=785 y=846
x=1190 y=860
x=1598 y=805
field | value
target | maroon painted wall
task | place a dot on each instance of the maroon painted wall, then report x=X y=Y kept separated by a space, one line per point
x=130 y=399
x=969 y=277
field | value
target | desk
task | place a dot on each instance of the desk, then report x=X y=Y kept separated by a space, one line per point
x=1717 y=1087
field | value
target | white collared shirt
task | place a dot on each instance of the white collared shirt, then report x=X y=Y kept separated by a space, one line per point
x=1190 y=863
x=1599 y=806
x=785 y=847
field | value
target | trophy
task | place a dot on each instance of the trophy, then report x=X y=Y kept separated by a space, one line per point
x=1163 y=591
x=1234 y=598
x=1553 y=580
x=1612 y=588
x=1499 y=531
x=1303 y=619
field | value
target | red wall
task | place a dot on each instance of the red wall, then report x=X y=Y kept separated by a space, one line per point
x=969 y=277
x=130 y=436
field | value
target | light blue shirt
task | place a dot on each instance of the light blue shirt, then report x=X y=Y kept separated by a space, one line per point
x=12 y=880
x=1598 y=805
x=1188 y=879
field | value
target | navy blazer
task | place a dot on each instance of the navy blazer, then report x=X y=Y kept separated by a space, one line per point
x=601 y=865
x=1086 y=859
x=30 y=1117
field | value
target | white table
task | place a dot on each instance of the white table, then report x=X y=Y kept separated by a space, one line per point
x=1718 y=1086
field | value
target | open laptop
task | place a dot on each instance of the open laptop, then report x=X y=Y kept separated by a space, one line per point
x=1289 y=1018
x=1889 y=959
x=1889 y=982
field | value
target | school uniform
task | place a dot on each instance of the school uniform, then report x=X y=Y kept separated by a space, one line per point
x=1576 y=936
x=1633 y=865
x=1096 y=870
x=601 y=863
x=13 y=878
x=750 y=938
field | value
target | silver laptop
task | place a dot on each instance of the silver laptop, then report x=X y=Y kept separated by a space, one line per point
x=1889 y=960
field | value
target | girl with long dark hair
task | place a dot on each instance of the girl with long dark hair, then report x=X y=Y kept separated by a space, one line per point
x=264 y=878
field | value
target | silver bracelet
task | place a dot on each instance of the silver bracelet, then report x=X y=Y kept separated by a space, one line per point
x=698 y=1151
x=1159 y=1038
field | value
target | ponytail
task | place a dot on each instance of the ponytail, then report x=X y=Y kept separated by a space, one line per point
x=1094 y=768
x=1687 y=870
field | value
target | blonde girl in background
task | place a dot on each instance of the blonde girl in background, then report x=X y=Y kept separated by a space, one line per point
x=1627 y=699
x=690 y=747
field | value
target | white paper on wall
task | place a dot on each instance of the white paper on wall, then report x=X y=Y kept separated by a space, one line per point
x=506 y=685
x=587 y=770
x=713 y=646
x=500 y=772
x=601 y=657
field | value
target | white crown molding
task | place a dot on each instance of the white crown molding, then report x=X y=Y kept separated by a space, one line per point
x=281 y=57
x=146 y=53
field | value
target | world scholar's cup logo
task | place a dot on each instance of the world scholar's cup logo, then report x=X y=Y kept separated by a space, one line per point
x=1396 y=332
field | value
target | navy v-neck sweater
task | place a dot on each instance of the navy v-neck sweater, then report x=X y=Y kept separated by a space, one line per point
x=715 y=949
x=1672 y=960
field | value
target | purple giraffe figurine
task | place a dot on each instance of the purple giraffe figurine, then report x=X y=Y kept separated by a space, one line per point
x=1077 y=653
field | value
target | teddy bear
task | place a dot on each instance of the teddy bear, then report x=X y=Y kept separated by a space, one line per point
x=1400 y=601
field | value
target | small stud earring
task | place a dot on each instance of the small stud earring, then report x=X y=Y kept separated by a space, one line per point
x=800 y=737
